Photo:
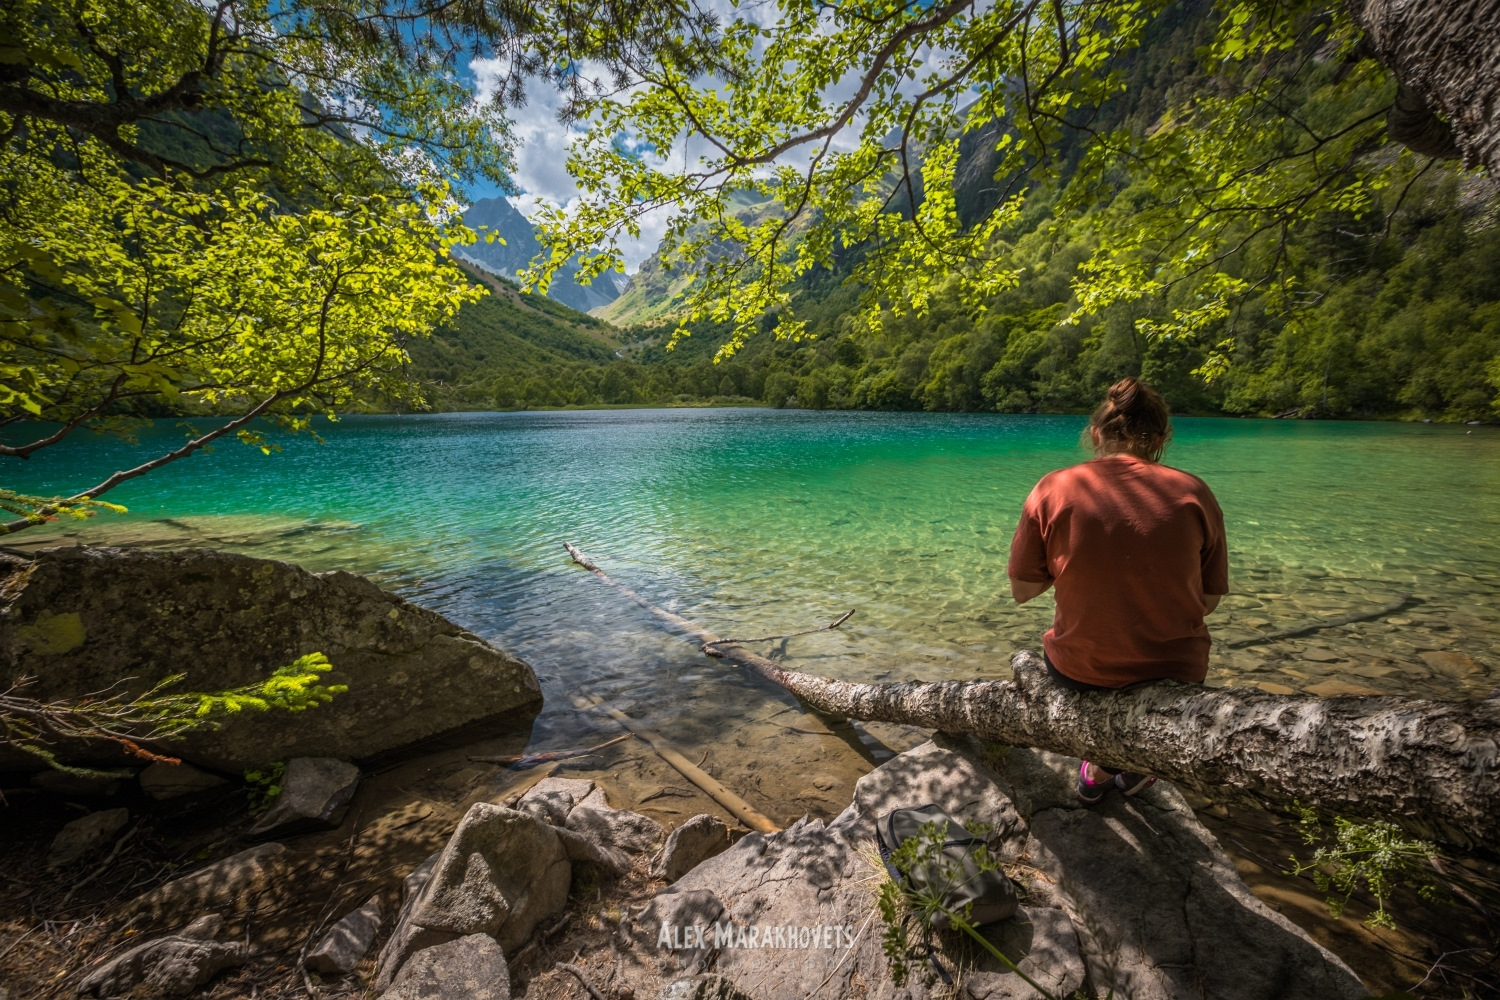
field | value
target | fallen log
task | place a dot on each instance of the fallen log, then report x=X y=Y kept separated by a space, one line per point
x=713 y=787
x=1431 y=767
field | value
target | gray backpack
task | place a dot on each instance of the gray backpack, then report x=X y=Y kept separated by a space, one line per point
x=991 y=893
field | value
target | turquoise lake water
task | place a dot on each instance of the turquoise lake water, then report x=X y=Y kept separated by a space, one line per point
x=755 y=522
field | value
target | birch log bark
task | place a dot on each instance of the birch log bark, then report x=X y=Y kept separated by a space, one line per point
x=1431 y=767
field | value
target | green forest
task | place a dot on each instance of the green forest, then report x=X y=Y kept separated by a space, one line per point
x=1396 y=309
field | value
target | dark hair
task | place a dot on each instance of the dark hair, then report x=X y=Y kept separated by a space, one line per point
x=1133 y=418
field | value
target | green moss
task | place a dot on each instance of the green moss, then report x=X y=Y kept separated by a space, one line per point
x=53 y=634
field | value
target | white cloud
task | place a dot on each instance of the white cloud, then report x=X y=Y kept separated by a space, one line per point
x=541 y=172
x=542 y=141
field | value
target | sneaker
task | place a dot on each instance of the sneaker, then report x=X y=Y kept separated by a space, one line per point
x=1133 y=784
x=1089 y=792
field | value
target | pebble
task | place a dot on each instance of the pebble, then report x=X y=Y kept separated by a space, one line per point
x=1452 y=664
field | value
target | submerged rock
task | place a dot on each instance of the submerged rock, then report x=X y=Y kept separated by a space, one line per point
x=340 y=950
x=80 y=619
x=171 y=966
x=86 y=835
x=315 y=794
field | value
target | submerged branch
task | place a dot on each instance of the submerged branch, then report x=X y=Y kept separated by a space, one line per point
x=1400 y=602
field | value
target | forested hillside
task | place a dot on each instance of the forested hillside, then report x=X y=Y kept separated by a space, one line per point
x=1398 y=310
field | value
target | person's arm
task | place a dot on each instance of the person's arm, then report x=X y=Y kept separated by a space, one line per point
x=1025 y=590
x=1028 y=569
x=1215 y=555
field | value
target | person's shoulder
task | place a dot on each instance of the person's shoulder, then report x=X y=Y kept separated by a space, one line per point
x=1186 y=480
x=1059 y=479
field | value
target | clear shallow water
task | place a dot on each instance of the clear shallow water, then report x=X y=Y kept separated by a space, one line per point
x=755 y=522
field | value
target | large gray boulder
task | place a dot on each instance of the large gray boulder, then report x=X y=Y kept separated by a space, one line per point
x=501 y=873
x=1159 y=909
x=965 y=788
x=81 y=619
x=1133 y=896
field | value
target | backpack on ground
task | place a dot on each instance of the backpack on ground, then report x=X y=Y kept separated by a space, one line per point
x=956 y=879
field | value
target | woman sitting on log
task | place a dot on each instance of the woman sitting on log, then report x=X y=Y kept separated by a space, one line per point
x=1136 y=550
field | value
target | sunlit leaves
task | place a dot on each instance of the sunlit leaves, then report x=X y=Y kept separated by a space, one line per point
x=830 y=130
x=213 y=299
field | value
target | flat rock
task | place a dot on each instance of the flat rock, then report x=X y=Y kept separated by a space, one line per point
x=1319 y=655
x=169 y=781
x=1337 y=689
x=692 y=843
x=172 y=966
x=471 y=967
x=618 y=828
x=85 y=835
x=229 y=885
x=1132 y=895
x=1158 y=908
x=1452 y=664
x=340 y=950
x=1044 y=945
x=82 y=618
x=552 y=799
x=501 y=873
x=315 y=794
x=680 y=924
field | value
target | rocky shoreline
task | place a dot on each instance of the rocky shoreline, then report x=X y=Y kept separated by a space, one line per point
x=406 y=871
x=1132 y=896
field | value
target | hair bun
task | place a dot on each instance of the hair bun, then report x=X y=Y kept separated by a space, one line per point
x=1124 y=391
x=1133 y=415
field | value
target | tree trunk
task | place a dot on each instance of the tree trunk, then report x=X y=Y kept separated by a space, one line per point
x=1445 y=55
x=1431 y=767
